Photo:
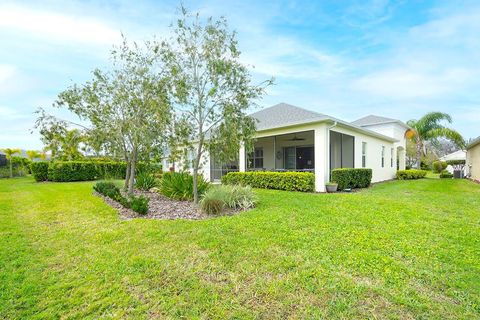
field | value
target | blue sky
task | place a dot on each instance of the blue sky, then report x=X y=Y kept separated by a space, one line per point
x=348 y=59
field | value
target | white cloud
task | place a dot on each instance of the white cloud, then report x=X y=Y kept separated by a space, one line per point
x=6 y=73
x=57 y=26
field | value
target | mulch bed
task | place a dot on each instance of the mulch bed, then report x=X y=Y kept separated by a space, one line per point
x=163 y=208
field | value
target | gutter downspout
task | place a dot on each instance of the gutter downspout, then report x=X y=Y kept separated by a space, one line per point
x=328 y=148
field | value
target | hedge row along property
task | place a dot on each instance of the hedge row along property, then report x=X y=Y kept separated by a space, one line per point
x=66 y=171
x=299 y=181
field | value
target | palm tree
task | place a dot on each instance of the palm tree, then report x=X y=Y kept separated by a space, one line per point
x=429 y=129
x=71 y=143
x=9 y=153
x=32 y=154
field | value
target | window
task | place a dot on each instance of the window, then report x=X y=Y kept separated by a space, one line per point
x=383 y=156
x=391 y=157
x=255 y=159
x=364 y=154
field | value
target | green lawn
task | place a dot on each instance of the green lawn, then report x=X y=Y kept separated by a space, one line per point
x=408 y=249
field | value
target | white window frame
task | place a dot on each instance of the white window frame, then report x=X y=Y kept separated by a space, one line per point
x=383 y=156
x=391 y=157
x=364 y=154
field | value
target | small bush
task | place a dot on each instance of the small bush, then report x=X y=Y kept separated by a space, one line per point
x=439 y=166
x=139 y=204
x=349 y=178
x=411 y=174
x=145 y=181
x=109 y=189
x=39 y=171
x=179 y=185
x=289 y=181
x=446 y=175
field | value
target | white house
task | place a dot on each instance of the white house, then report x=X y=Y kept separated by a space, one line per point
x=290 y=138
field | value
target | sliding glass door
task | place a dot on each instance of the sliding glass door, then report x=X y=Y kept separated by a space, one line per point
x=299 y=158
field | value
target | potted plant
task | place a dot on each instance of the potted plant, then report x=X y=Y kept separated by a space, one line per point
x=332 y=187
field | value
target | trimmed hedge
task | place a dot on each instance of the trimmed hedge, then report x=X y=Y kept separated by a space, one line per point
x=65 y=171
x=84 y=170
x=351 y=178
x=289 y=181
x=39 y=171
x=411 y=174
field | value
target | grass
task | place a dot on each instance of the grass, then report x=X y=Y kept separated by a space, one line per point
x=405 y=249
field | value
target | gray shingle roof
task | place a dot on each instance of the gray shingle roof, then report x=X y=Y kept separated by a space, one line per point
x=283 y=114
x=372 y=119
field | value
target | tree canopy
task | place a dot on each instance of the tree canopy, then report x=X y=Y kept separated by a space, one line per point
x=210 y=88
x=430 y=128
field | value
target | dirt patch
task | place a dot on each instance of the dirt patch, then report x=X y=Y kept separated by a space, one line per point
x=163 y=208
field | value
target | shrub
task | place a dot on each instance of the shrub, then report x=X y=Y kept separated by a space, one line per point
x=109 y=189
x=347 y=178
x=39 y=171
x=65 y=171
x=289 y=181
x=411 y=174
x=439 y=166
x=139 y=204
x=179 y=185
x=145 y=181
x=446 y=175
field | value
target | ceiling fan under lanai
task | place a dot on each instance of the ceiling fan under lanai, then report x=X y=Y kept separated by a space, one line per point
x=295 y=138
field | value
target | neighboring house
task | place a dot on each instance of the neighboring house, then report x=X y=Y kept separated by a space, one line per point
x=290 y=138
x=473 y=159
x=3 y=159
x=457 y=155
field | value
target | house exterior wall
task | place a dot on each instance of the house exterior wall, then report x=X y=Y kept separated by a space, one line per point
x=473 y=162
x=396 y=131
x=320 y=140
x=373 y=154
x=204 y=165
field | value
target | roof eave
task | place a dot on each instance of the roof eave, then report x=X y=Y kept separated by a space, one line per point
x=333 y=120
x=474 y=143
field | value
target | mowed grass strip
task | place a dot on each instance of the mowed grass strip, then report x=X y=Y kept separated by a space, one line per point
x=403 y=249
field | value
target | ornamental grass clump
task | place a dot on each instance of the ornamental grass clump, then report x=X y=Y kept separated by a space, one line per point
x=233 y=197
x=179 y=185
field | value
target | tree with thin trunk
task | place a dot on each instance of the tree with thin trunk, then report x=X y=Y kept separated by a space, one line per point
x=9 y=154
x=126 y=108
x=211 y=90
x=429 y=128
